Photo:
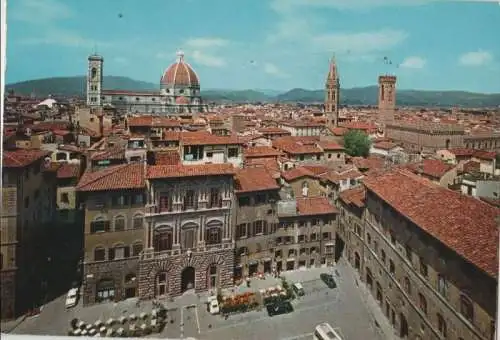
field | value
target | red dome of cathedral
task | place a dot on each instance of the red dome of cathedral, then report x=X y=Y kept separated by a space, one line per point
x=180 y=73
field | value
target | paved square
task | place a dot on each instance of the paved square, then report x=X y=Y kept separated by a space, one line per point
x=342 y=307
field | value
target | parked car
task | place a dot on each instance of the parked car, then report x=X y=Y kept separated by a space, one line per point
x=329 y=280
x=72 y=298
x=298 y=289
x=278 y=308
x=213 y=305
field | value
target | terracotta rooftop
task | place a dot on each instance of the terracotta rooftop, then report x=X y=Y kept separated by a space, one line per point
x=206 y=138
x=270 y=164
x=274 y=131
x=308 y=206
x=152 y=121
x=21 y=158
x=464 y=224
x=254 y=179
x=299 y=149
x=177 y=171
x=385 y=145
x=327 y=145
x=355 y=196
x=261 y=151
x=68 y=170
x=431 y=167
x=116 y=177
x=296 y=173
x=461 y=152
x=370 y=163
x=484 y=155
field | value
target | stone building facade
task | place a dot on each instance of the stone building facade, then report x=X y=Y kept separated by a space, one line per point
x=332 y=97
x=386 y=99
x=305 y=236
x=430 y=283
x=426 y=137
x=255 y=222
x=114 y=233
x=28 y=208
x=189 y=234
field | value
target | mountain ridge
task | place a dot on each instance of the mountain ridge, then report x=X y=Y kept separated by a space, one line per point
x=76 y=86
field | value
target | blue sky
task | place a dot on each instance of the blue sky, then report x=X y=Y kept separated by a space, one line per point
x=265 y=44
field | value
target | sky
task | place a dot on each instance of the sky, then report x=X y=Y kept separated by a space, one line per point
x=262 y=44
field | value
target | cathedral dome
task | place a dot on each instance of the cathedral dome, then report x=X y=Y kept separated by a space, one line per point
x=180 y=73
x=182 y=101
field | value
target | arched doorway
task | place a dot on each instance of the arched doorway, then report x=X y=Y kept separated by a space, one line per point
x=187 y=279
x=447 y=144
x=403 y=326
x=369 y=278
x=105 y=290
x=357 y=262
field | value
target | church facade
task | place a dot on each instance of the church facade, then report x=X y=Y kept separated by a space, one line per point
x=179 y=91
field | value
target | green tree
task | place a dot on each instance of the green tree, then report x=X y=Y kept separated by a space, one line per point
x=357 y=143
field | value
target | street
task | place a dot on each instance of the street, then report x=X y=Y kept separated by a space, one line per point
x=342 y=307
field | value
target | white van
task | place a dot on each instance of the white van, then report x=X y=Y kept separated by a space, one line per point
x=324 y=331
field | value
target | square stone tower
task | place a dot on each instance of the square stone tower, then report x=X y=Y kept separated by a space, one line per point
x=386 y=98
x=94 y=80
x=332 y=95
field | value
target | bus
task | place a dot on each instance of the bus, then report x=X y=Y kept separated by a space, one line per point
x=324 y=331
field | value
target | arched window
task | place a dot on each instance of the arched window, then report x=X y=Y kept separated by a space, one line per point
x=466 y=308
x=138 y=221
x=382 y=255
x=442 y=285
x=163 y=239
x=99 y=254
x=422 y=303
x=442 y=325
x=119 y=251
x=369 y=278
x=137 y=248
x=119 y=223
x=93 y=72
x=407 y=285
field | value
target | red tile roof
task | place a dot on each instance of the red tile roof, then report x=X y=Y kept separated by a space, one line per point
x=308 y=206
x=461 y=152
x=21 y=158
x=464 y=224
x=116 y=177
x=68 y=170
x=296 y=173
x=254 y=179
x=270 y=164
x=274 y=131
x=327 y=145
x=385 y=145
x=177 y=171
x=484 y=155
x=261 y=151
x=153 y=121
x=431 y=167
x=370 y=163
x=299 y=149
x=206 y=138
x=355 y=196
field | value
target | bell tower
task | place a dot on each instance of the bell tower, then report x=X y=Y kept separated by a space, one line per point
x=94 y=80
x=332 y=91
x=386 y=98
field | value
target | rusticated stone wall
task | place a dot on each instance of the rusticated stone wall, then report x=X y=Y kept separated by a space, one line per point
x=115 y=270
x=8 y=289
x=174 y=266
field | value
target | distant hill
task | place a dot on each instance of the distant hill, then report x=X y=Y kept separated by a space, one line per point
x=75 y=86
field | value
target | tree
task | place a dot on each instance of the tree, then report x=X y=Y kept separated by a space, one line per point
x=357 y=143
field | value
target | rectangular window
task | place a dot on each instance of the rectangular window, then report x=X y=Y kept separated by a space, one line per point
x=215 y=198
x=165 y=202
x=65 y=198
x=189 y=200
x=136 y=249
x=241 y=230
x=138 y=199
x=244 y=201
x=232 y=153
x=99 y=226
x=119 y=201
x=260 y=199
x=259 y=229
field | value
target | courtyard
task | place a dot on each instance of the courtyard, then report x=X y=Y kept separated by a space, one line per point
x=344 y=307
